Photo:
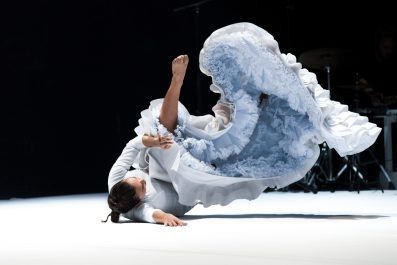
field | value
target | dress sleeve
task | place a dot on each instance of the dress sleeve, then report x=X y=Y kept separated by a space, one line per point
x=142 y=213
x=125 y=161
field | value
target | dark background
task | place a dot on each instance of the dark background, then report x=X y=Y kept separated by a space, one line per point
x=75 y=75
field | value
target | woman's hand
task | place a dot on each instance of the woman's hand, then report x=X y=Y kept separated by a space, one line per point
x=164 y=142
x=171 y=220
x=167 y=219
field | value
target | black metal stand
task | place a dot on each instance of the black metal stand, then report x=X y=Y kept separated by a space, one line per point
x=306 y=188
x=381 y=169
x=329 y=150
x=318 y=173
x=354 y=171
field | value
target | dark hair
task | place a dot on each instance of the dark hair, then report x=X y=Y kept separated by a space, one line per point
x=122 y=198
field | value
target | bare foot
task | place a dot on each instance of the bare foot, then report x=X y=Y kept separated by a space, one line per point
x=179 y=65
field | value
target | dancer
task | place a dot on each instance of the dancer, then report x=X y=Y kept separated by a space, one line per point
x=250 y=143
x=132 y=193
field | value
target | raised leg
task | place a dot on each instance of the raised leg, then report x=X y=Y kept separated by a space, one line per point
x=169 y=109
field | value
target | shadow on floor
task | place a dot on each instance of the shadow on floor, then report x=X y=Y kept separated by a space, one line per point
x=268 y=216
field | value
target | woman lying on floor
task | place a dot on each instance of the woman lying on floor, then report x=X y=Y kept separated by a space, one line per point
x=253 y=141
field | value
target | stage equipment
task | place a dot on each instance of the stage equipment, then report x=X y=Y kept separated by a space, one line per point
x=355 y=167
x=327 y=59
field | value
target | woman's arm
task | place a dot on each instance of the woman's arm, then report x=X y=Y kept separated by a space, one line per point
x=146 y=213
x=125 y=160
x=131 y=151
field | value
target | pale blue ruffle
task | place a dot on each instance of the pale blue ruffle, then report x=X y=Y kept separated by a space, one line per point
x=270 y=144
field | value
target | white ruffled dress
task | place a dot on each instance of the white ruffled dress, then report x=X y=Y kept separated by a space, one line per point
x=252 y=143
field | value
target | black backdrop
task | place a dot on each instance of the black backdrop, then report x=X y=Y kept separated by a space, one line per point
x=76 y=74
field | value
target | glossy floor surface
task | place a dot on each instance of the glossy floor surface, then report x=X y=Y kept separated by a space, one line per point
x=278 y=228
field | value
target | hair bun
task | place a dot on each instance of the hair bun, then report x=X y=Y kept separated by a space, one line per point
x=114 y=216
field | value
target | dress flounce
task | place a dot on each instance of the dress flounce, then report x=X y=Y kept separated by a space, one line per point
x=238 y=152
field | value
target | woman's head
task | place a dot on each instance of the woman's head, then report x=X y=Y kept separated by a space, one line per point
x=125 y=195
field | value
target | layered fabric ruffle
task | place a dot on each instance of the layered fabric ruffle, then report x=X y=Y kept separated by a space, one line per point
x=250 y=143
x=345 y=131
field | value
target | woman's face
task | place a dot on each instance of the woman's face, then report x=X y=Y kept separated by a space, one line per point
x=139 y=185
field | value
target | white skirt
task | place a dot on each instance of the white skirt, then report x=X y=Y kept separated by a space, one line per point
x=250 y=144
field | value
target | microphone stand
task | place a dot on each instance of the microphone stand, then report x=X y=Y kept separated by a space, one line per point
x=330 y=162
x=196 y=7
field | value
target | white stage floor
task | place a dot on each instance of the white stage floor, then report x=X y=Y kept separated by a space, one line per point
x=277 y=228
